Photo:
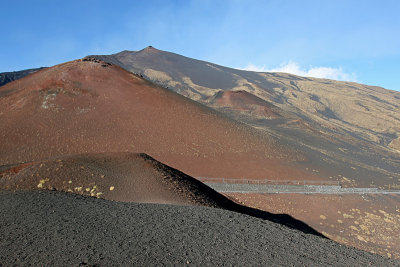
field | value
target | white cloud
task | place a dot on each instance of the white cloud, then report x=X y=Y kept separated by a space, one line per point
x=252 y=67
x=316 y=72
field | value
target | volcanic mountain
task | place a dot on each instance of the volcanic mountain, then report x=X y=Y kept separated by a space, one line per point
x=90 y=106
x=350 y=129
x=77 y=126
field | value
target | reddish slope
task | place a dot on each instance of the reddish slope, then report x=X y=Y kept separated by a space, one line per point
x=244 y=101
x=127 y=177
x=88 y=106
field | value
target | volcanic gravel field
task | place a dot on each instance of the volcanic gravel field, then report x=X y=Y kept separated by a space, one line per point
x=62 y=229
x=369 y=222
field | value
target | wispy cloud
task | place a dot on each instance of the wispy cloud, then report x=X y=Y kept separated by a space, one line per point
x=316 y=72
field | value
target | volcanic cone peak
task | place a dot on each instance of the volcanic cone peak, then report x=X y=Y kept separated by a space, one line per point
x=151 y=49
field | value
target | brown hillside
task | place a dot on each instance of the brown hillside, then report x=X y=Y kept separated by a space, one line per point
x=127 y=177
x=89 y=106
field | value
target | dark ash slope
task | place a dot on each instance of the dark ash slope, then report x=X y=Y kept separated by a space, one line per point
x=60 y=229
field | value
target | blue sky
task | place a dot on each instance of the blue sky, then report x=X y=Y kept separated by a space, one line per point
x=347 y=40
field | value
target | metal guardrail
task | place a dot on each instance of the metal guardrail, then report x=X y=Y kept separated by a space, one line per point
x=267 y=182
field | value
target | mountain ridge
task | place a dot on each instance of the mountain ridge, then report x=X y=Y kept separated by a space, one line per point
x=345 y=125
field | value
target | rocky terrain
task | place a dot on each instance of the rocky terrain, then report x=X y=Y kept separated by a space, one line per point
x=367 y=221
x=95 y=126
x=349 y=129
x=55 y=228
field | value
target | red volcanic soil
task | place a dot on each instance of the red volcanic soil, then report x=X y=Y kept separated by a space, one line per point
x=244 y=101
x=89 y=106
x=127 y=177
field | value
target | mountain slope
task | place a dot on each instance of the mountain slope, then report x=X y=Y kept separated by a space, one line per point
x=350 y=129
x=127 y=177
x=53 y=228
x=6 y=77
x=89 y=106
